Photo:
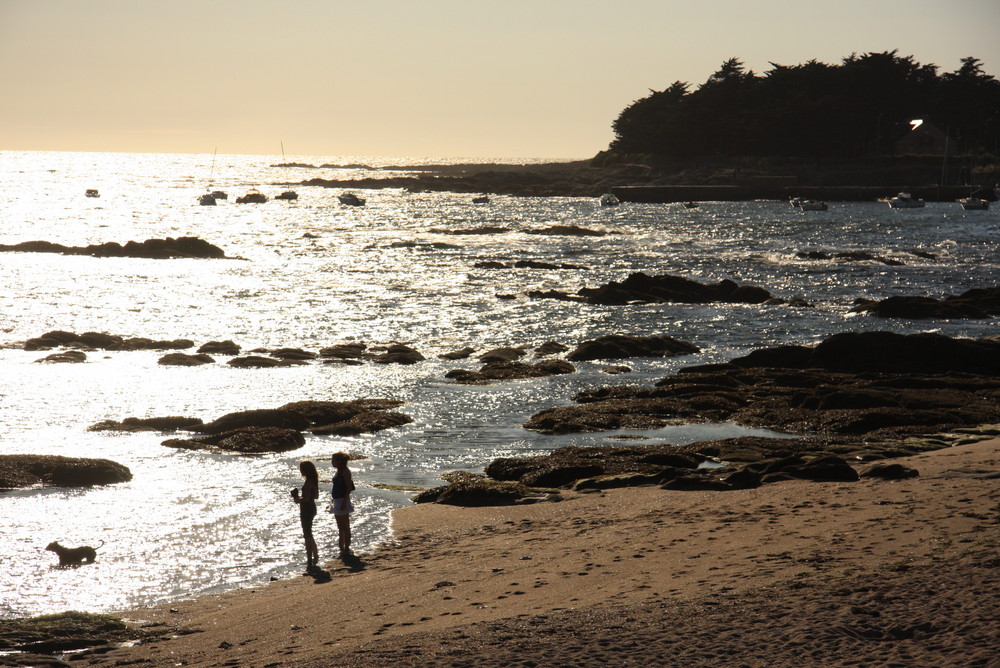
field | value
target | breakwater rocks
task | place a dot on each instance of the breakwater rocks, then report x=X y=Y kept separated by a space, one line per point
x=28 y=470
x=640 y=287
x=973 y=304
x=270 y=429
x=874 y=383
x=738 y=463
x=157 y=249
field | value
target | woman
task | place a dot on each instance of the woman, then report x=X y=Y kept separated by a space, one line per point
x=307 y=509
x=342 y=508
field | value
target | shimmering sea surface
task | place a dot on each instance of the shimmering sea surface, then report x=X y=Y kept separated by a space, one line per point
x=313 y=273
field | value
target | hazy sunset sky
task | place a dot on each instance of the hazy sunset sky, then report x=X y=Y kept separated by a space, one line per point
x=436 y=78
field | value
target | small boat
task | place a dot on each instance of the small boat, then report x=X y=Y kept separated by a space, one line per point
x=690 y=205
x=904 y=200
x=253 y=196
x=92 y=192
x=609 y=199
x=795 y=201
x=812 y=205
x=974 y=204
x=218 y=194
x=482 y=199
x=288 y=194
x=208 y=199
x=350 y=199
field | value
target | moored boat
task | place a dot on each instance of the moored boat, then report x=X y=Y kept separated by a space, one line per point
x=904 y=200
x=482 y=199
x=350 y=199
x=812 y=205
x=92 y=192
x=609 y=199
x=974 y=204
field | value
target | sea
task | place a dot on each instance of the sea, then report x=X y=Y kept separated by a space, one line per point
x=312 y=273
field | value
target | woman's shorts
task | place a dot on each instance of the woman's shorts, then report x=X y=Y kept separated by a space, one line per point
x=340 y=507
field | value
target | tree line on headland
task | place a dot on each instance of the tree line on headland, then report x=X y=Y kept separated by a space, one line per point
x=860 y=107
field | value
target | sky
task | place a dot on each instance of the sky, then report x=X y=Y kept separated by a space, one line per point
x=415 y=78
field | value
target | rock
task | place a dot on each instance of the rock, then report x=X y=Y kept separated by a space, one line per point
x=890 y=472
x=470 y=490
x=616 y=370
x=550 y=348
x=293 y=354
x=344 y=351
x=973 y=304
x=619 y=347
x=615 y=481
x=102 y=340
x=331 y=412
x=244 y=440
x=22 y=638
x=132 y=424
x=694 y=482
x=182 y=359
x=226 y=347
x=26 y=470
x=823 y=469
x=502 y=355
x=70 y=357
x=181 y=247
x=398 y=354
x=259 y=362
x=497 y=371
x=462 y=354
x=366 y=422
x=640 y=287
x=567 y=230
x=264 y=417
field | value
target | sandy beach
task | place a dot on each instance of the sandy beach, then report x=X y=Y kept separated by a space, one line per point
x=871 y=573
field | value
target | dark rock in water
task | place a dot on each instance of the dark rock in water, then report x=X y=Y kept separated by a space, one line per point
x=640 y=287
x=70 y=356
x=292 y=354
x=132 y=424
x=366 y=422
x=320 y=413
x=462 y=354
x=103 y=341
x=619 y=347
x=616 y=370
x=471 y=490
x=874 y=383
x=495 y=371
x=550 y=348
x=244 y=440
x=502 y=355
x=263 y=417
x=554 y=294
x=26 y=470
x=398 y=354
x=890 y=472
x=973 y=304
x=567 y=230
x=260 y=362
x=471 y=231
x=226 y=347
x=181 y=247
x=344 y=351
x=182 y=359
x=490 y=264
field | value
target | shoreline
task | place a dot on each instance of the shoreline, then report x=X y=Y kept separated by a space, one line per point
x=757 y=576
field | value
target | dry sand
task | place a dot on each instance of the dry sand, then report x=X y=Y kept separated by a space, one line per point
x=871 y=573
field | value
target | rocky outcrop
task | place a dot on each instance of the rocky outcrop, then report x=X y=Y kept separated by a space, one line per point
x=101 y=341
x=616 y=346
x=182 y=359
x=226 y=347
x=263 y=417
x=640 y=287
x=871 y=383
x=27 y=470
x=244 y=440
x=181 y=247
x=68 y=357
x=34 y=641
x=133 y=424
x=498 y=371
x=973 y=304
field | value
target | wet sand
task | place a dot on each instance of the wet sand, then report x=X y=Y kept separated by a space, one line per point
x=871 y=573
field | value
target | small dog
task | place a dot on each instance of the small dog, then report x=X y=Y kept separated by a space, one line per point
x=74 y=556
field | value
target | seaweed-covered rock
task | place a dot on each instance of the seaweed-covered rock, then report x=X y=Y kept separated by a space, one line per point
x=226 y=347
x=497 y=371
x=26 y=470
x=262 y=417
x=469 y=489
x=641 y=287
x=365 y=422
x=29 y=641
x=616 y=346
x=183 y=359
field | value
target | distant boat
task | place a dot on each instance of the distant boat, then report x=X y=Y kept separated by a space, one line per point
x=207 y=200
x=609 y=199
x=253 y=196
x=904 y=200
x=288 y=194
x=690 y=205
x=92 y=192
x=350 y=199
x=812 y=205
x=974 y=204
x=795 y=201
x=482 y=199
